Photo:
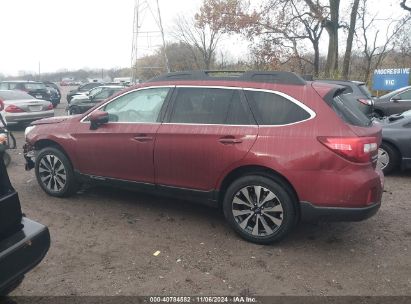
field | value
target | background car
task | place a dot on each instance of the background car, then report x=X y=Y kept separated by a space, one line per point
x=36 y=89
x=55 y=93
x=395 y=102
x=82 y=103
x=395 y=150
x=83 y=88
x=359 y=92
x=22 y=108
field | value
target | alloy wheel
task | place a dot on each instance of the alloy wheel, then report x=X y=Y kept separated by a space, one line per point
x=383 y=159
x=52 y=173
x=257 y=211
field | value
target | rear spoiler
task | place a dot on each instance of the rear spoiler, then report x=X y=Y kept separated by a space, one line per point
x=332 y=94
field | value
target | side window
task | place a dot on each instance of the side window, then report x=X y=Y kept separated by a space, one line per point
x=405 y=95
x=273 y=109
x=4 y=86
x=209 y=106
x=138 y=106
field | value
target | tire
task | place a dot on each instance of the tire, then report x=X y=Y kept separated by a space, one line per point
x=388 y=158
x=253 y=221
x=378 y=114
x=6 y=159
x=55 y=173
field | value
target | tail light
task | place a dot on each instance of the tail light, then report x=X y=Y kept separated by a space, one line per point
x=355 y=149
x=367 y=102
x=13 y=109
x=50 y=106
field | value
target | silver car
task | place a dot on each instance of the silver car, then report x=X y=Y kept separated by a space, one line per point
x=20 y=107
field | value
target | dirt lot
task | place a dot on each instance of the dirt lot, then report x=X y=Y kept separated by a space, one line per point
x=103 y=242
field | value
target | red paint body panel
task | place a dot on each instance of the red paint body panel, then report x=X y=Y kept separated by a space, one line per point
x=192 y=156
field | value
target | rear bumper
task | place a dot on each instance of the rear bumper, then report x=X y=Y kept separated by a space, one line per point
x=21 y=252
x=311 y=213
x=27 y=117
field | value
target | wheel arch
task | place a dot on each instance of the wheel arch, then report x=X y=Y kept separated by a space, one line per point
x=394 y=146
x=45 y=143
x=255 y=170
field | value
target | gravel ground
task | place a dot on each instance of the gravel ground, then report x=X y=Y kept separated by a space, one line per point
x=103 y=242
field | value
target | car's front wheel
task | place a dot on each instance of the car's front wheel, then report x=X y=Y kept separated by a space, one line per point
x=55 y=173
x=260 y=209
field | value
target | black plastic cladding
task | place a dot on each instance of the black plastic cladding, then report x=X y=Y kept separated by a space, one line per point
x=252 y=76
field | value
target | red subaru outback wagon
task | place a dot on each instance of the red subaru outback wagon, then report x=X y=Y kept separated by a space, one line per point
x=269 y=148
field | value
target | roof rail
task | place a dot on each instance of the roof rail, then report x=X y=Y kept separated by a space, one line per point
x=252 y=76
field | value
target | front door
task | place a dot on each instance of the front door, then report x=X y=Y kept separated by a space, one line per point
x=123 y=148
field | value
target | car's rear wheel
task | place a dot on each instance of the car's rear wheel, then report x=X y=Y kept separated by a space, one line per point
x=260 y=209
x=388 y=158
x=55 y=173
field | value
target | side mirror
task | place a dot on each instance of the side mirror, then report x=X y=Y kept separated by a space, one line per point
x=98 y=118
x=1 y=105
x=396 y=99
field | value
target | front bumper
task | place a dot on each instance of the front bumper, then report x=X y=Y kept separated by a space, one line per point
x=29 y=155
x=311 y=213
x=21 y=252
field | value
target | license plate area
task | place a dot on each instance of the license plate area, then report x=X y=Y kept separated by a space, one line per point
x=35 y=108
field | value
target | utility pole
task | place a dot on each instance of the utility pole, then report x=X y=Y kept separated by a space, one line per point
x=160 y=24
x=135 y=41
x=39 y=71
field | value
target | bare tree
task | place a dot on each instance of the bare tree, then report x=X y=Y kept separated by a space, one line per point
x=375 y=53
x=350 y=38
x=200 y=37
x=404 y=5
x=330 y=20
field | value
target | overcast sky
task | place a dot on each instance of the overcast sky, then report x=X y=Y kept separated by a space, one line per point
x=73 y=34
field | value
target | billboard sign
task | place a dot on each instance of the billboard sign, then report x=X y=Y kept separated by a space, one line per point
x=391 y=79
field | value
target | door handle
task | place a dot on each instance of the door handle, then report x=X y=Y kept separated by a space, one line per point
x=230 y=140
x=143 y=138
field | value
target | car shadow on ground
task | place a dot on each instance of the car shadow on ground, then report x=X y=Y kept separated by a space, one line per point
x=334 y=233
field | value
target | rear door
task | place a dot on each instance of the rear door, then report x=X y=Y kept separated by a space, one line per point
x=208 y=130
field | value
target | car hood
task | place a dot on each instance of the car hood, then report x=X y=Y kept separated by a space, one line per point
x=51 y=120
x=80 y=99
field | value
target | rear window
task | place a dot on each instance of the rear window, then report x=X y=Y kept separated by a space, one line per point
x=273 y=109
x=14 y=95
x=35 y=86
x=347 y=109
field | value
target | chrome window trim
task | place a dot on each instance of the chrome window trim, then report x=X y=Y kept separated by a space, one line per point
x=286 y=96
x=125 y=93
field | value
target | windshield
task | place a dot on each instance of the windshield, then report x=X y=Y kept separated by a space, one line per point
x=14 y=95
x=35 y=86
x=95 y=91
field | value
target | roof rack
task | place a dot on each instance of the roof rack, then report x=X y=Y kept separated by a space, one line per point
x=252 y=76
